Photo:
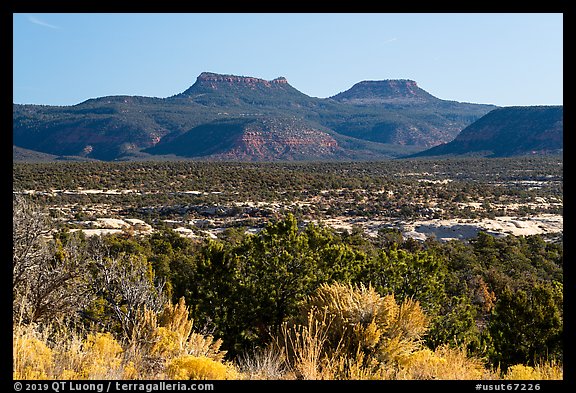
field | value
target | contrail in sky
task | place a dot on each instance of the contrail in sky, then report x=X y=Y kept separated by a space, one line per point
x=39 y=22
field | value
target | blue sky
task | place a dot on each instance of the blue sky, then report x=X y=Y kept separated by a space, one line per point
x=495 y=58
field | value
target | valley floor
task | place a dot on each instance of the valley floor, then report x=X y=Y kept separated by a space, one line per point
x=444 y=199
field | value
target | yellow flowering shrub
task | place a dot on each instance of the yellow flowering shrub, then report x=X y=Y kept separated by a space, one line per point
x=102 y=357
x=521 y=372
x=32 y=357
x=541 y=371
x=443 y=363
x=169 y=334
x=550 y=371
x=199 y=367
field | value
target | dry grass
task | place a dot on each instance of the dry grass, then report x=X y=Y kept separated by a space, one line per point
x=199 y=367
x=444 y=363
x=309 y=353
x=351 y=333
x=32 y=357
x=265 y=364
x=541 y=371
x=347 y=333
x=161 y=345
x=51 y=354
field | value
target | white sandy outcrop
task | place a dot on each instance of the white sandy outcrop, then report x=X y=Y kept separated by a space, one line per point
x=467 y=228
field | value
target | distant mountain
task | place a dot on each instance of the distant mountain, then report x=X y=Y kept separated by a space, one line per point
x=400 y=112
x=508 y=131
x=421 y=127
x=268 y=138
x=253 y=139
x=219 y=117
x=396 y=92
x=243 y=91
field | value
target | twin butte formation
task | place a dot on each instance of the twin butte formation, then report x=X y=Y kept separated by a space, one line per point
x=228 y=117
